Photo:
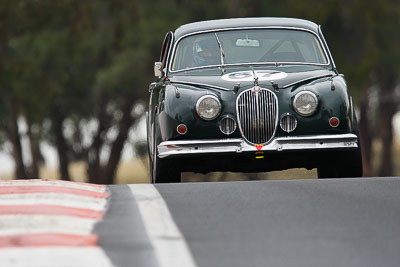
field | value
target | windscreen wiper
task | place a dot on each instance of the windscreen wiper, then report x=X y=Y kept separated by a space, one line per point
x=222 y=53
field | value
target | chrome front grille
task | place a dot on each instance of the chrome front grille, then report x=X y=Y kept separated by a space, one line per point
x=257 y=111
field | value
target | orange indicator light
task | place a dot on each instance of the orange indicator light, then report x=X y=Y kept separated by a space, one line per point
x=181 y=129
x=334 y=122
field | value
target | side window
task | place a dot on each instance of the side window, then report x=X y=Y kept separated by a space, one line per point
x=165 y=48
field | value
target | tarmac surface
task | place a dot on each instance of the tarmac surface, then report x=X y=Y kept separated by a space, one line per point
x=332 y=222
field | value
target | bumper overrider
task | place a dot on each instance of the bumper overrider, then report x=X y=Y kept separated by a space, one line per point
x=170 y=149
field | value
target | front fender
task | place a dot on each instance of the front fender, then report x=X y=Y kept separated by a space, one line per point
x=178 y=107
x=333 y=101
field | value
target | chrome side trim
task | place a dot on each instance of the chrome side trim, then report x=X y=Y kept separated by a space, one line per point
x=239 y=145
x=172 y=55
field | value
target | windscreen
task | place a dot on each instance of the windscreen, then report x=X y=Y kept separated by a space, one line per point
x=248 y=46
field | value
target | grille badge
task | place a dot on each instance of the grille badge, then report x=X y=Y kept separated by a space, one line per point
x=256 y=89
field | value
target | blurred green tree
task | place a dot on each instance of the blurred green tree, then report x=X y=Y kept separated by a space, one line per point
x=71 y=62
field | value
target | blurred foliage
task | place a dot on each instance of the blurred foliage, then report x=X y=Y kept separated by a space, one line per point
x=91 y=61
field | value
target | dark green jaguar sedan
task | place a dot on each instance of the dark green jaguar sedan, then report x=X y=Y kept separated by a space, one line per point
x=250 y=95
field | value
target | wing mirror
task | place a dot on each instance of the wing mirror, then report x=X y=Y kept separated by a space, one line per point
x=158 y=69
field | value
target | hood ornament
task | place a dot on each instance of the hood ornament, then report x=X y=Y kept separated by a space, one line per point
x=256 y=89
x=255 y=77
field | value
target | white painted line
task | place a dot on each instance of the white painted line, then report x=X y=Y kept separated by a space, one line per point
x=30 y=224
x=94 y=188
x=60 y=199
x=54 y=257
x=169 y=244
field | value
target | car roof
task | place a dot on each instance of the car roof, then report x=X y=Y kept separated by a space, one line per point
x=210 y=25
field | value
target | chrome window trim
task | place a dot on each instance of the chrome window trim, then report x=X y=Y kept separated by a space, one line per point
x=168 y=59
x=172 y=55
x=276 y=64
x=168 y=53
x=276 y=119
x=326 y=46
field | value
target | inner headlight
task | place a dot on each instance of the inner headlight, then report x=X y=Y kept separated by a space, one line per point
x=305 y=103
x=208 y=107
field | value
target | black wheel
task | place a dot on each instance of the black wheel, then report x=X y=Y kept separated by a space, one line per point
x=342 y=166
x=162 y=170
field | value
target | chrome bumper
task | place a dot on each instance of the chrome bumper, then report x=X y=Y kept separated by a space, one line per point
x=312 y=142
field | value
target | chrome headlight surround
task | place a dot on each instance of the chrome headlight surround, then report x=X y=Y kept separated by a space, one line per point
x=208 y=107
x=305 y=103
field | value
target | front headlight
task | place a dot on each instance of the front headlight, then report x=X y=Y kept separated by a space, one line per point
x=305 y=103
x=208 y=107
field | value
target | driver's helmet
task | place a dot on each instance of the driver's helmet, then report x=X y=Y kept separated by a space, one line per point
x=206 y=52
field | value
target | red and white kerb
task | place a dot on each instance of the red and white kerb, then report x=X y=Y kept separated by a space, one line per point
x=50 y=216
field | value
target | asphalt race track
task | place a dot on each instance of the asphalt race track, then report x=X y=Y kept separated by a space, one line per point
x=332 y=222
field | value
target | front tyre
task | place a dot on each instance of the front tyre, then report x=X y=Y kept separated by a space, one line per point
x=162 y=170
x=342 y=165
